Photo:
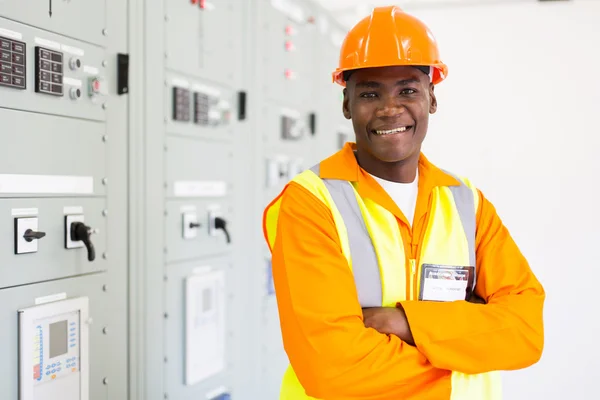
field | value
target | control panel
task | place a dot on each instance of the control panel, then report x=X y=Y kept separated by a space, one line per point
x=56 y=348
x=181 y=104
x=210 y=109
x=12 y=63
x=48 y=71
x=53 y=350
x=53 y=74
x=63 y=167
x=209 y=106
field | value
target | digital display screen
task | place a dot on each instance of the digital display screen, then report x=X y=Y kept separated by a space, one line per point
x=58 y=339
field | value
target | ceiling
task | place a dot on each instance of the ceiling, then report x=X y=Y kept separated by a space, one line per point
x=349 y=12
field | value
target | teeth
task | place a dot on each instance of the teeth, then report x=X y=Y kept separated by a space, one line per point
x=392 y=131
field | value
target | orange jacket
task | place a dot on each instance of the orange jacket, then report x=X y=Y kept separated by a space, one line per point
x=336 y=357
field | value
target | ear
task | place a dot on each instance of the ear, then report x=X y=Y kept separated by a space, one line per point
x=346 y=105
x=433 y=99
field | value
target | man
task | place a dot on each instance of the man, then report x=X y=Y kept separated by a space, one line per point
x=396 y=280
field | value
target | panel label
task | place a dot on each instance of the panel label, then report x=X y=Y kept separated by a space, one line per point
x=45 y=184
x=72 y=210
x=50 y=299
x=73 y=50
x=200 y=188
x=11 y=34
x=48 y=43
x=22 y=212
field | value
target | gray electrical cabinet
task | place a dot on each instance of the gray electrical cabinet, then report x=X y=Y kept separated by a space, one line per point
x=63 y=201
x=141 y=142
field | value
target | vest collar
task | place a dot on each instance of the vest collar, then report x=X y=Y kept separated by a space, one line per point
x=343 y=166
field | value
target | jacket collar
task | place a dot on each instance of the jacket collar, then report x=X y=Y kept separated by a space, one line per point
x=344 y=166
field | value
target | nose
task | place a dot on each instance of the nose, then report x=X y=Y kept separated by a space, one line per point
x=390 y=106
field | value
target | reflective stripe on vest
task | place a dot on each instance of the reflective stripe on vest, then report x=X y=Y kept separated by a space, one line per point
x=371 y=242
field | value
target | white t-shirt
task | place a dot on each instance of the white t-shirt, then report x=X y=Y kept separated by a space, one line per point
x=404 y=194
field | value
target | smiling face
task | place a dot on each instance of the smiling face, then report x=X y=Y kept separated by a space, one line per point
x=389 y=108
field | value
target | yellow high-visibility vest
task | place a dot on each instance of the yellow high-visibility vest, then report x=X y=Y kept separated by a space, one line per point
x=363 y=224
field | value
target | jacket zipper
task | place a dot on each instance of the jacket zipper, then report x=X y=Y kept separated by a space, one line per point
x=413 y=271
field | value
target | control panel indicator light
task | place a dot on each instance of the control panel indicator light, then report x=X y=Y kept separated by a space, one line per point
x=289 y=74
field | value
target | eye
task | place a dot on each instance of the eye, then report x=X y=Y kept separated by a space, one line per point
x=368 y=95
x=408 y=91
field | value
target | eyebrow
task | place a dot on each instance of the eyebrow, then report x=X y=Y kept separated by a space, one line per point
x=373 y=84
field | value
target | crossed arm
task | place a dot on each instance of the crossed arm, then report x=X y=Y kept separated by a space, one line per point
x=335 y=355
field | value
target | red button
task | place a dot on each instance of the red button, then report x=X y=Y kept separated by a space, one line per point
x=194 y=1
x=289 y=46
x=202 y=3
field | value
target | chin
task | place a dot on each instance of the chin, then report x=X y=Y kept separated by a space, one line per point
x=392 y=156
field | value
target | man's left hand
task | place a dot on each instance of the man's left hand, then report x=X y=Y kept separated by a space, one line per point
x=389 y=321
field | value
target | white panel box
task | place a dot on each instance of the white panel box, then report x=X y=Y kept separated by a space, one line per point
x=204 y=326
x=53 y=351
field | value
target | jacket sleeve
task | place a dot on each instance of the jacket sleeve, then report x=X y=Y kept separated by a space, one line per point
x=507 y=332
x=332 y=353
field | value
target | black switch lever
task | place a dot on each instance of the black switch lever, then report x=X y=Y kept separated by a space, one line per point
x=220 y=223
x=194 y=225
x=31 y=235
x=80 y=231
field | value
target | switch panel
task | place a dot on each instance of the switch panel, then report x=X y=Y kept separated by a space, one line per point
x=211 y=110
x=213 y=213
x=97 y=86
x=12 y=63
x=69 y=243
x=48 y=71
x=181 y=104
x=278 y=170
x=190 y=224
x=201 y=108
x=292 y=127
x=27 y=235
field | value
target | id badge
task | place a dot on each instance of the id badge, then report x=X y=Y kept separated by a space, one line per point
x=446 y=282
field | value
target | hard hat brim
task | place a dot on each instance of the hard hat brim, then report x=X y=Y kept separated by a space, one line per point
x=440 y=72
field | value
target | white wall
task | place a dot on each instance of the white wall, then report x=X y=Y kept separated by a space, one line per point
x=519 y=114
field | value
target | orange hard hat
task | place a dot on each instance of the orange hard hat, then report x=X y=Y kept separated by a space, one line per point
x=390 y=37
